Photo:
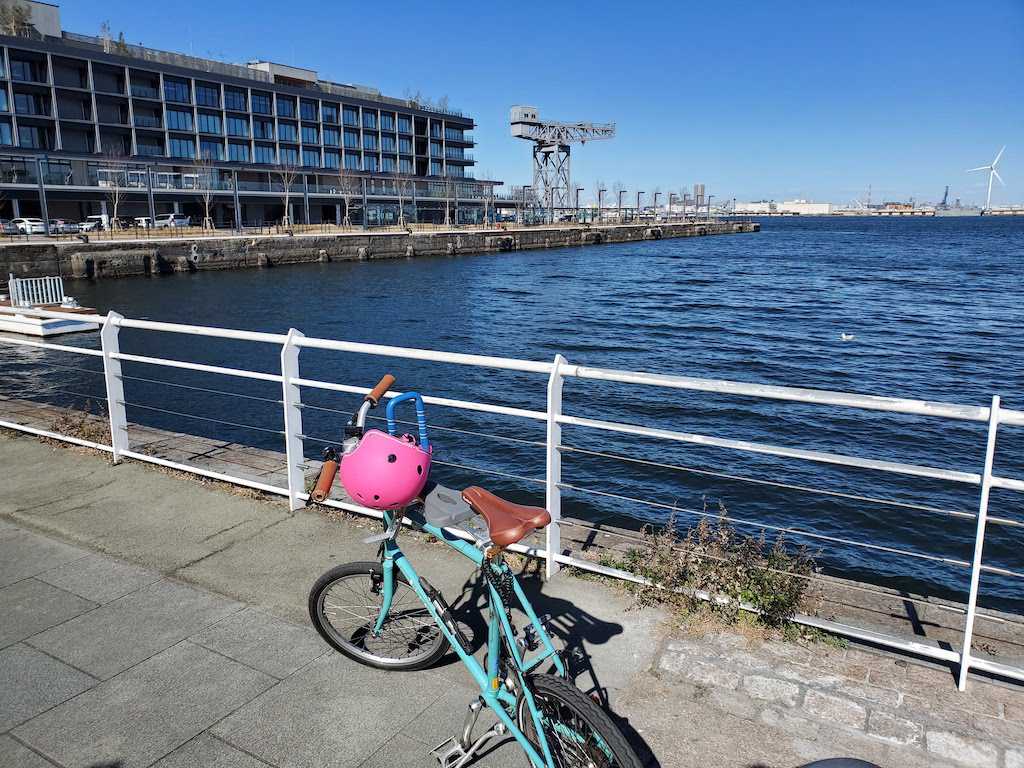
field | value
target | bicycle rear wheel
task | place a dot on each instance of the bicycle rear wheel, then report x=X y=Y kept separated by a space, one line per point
x=344 y=605
x=579 y=733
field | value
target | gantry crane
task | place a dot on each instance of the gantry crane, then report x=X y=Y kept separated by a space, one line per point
x=552 y=181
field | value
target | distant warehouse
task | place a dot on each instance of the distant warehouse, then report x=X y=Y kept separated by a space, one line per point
x=93 y=124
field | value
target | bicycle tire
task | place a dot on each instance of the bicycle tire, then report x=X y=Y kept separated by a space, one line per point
x=605 y=747
x=357 y=644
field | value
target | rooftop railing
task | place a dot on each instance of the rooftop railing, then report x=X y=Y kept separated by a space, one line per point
x=546 y=379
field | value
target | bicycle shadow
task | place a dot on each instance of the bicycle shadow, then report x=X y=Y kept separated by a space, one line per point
x=573 y=631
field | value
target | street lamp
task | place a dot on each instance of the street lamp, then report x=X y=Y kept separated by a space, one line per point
x=709 y=206
x=522 y=207
x=656 y=206
x=638 y=205
x=670 y=196
x=578 y=190
x=600 y=202
x=621 y=193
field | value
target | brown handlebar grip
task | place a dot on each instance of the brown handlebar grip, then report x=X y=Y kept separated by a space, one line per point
x=322 y=489
x=383 y=386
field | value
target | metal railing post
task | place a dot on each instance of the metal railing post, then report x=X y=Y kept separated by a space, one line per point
x=979 y=542
x=292 y=419
x=114 y=386
x=553 y=468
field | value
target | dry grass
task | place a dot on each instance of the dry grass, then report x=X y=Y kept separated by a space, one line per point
x=82 y=424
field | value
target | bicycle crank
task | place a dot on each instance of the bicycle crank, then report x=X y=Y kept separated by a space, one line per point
x=457 y=753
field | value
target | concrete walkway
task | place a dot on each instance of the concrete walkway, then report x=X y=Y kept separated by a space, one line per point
x=154 y=620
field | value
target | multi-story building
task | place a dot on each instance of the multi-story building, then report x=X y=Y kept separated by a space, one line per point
x=90 y=124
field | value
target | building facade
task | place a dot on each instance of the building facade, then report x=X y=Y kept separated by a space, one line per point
x=89 y=125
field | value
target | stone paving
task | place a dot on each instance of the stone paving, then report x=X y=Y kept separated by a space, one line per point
x=150 y=620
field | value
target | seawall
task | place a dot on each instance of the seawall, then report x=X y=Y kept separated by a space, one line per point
x=155 y=256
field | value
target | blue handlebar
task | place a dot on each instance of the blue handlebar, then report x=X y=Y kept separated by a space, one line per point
x=421 y=416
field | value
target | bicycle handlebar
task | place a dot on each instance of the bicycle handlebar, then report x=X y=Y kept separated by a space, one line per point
x=382 y=387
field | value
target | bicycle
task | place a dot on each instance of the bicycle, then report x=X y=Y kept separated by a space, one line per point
x=369 y=611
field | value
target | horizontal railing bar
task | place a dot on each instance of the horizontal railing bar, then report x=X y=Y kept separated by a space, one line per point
x=773 y=450
x=53 y=314
x=767 y=526
x=200 y=389
x=184 y=364
x=201 y=330
x=442 y=401
x=1002 y=571
x=55 y=436
x=997 y=668
x=773 y=483
x=48 y=345
x=795 y=394
x=206 y=473
x=457 y=358
x=1008 y=483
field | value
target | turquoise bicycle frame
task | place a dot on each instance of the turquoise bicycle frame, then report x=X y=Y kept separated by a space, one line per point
x=499 y=633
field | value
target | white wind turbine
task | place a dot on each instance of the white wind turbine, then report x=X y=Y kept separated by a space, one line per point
x=992 y=172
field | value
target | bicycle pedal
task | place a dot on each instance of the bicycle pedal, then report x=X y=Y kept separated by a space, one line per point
x=449 y=753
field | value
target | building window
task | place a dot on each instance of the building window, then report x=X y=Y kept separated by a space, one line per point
x=311 y=158
x=351 y=140
x=287 y=132
x=387 y=121
x=262 y=129
x=405 y=165
x=435 y=167
x=177 y=90
x=28 y=71
x=261 y=103
x=352 y=161
x=4 y=105
x=435 y=149
x=454 y=134
x=331 y=158
x=435 y=129
x=238 y=126
x=329 y=112
x=289 y=156
x=150 y=147
x=332 y=137
x=6 y=135
x=369 y=141
x=455 y=170
x=264 y=154
x=404 y=124
x=387 y=143
x=405 y=146
x=238 y=153
x=308 y=109
x=211 y=150
x=234 y=98
x=388 y=165
x=182 y=147
x=209 y=123
x=370 y=163
x=285 y=106
x=179 y=120
x=207 y=95
x=309 y=135
x=370 y=120
x=351 y=116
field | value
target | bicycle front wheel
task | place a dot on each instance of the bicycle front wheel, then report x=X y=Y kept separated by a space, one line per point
x=578 y=732
x=344 y=605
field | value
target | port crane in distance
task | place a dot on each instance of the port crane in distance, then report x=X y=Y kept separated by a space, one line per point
x=552 y=144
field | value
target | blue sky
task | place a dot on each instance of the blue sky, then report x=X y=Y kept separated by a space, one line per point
x=757 y=100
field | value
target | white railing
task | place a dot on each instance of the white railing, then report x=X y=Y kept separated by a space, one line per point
x=554 y=375
x=33 y=291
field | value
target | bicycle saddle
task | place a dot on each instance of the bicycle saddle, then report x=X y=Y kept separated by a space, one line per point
x=507 y=523
x=840 y=762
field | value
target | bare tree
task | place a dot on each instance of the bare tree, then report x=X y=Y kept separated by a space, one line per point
x=286 y=173
x=449 y=195
x=403 y=190
x=114 y=179
x=349 y=186
x=206 y=178
x=618 y=188
x=15 y=18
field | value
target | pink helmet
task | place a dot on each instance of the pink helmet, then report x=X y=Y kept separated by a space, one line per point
x=384 y=471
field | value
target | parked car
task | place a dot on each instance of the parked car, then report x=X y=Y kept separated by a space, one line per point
x=7 y=227
x=172 y=220
x=62 y=227
x=30 y=226
x=143 y=221
x=93 y=223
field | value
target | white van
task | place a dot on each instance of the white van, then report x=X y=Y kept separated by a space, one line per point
x=171 y=220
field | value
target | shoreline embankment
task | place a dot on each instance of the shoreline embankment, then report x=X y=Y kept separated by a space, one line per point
x=101 y=259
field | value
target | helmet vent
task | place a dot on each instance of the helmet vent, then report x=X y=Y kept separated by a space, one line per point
x=392 y=458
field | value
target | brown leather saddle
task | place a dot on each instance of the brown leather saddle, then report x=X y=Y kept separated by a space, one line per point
x=507 y=523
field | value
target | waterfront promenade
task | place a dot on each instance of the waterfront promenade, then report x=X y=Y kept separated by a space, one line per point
x=151 y=619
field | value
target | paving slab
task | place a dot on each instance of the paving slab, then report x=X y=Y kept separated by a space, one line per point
x=31 y=682
x=333 y=713
x=31 y=606
x=132 y=628
x=100 y=578
x=27 y=554
x=262 y=641
x=206 y=751
x=15 y=755
x=147 y=712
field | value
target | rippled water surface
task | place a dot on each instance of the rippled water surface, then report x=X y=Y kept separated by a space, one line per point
x=934 y=306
